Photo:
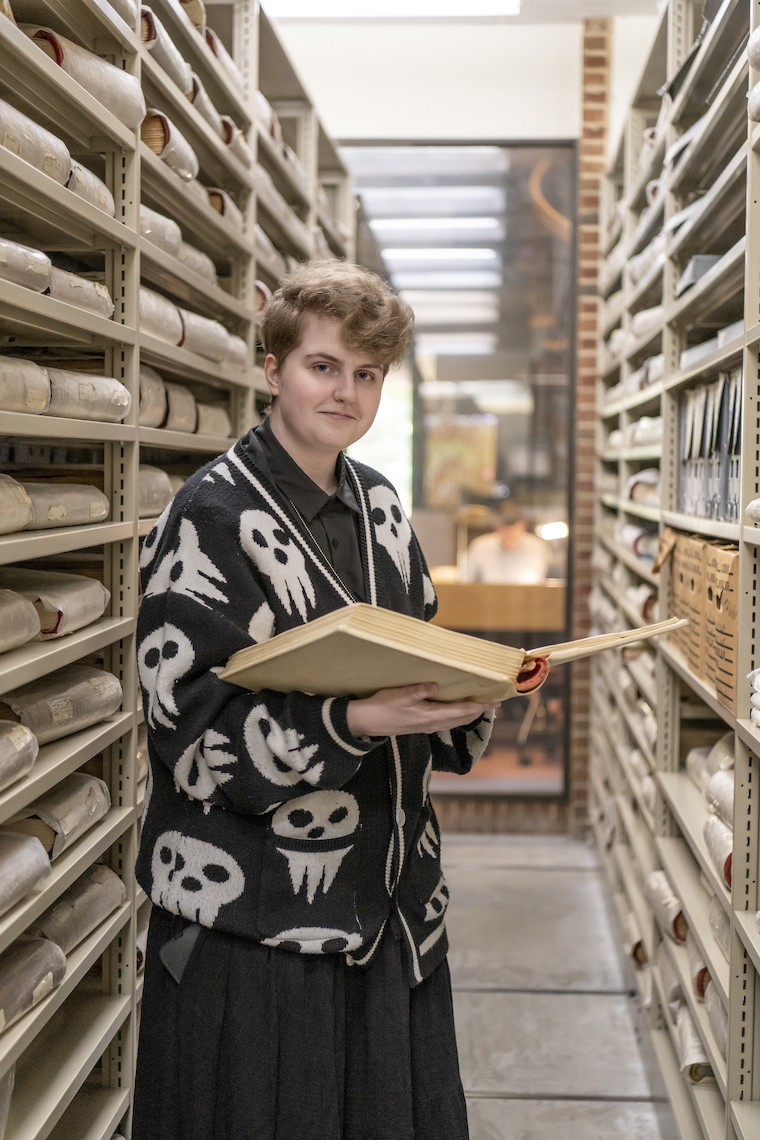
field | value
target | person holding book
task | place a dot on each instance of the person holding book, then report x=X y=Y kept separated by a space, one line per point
x=296 y=982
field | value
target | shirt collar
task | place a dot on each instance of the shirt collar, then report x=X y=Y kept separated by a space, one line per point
x=305 y=495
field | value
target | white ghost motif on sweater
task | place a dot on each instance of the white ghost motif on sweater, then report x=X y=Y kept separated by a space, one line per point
x=274 y=553
x=392 y=529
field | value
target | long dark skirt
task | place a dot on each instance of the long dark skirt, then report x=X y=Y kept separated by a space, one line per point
x=262 y=1044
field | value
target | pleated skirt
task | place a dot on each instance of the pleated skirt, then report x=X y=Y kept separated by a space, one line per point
x=262 y=1044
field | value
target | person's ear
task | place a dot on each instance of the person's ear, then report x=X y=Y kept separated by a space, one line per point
x=272 y=374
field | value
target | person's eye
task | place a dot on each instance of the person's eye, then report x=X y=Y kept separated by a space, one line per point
x=365 y=376
x=322 y=368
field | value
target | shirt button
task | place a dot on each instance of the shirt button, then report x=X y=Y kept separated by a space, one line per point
x=400 y=817
x=335 y=543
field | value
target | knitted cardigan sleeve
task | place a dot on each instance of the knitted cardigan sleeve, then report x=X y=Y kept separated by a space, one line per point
x=202 y=601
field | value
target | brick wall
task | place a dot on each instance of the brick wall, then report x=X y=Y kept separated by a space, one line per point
x=592 y=150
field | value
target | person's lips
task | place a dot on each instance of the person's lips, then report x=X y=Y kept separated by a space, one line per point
x=340 y=417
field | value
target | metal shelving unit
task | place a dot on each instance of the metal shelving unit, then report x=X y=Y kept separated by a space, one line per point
x=74 y=1052
x=719 y=168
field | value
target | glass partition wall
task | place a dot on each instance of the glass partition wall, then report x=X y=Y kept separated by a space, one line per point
x=479 y=240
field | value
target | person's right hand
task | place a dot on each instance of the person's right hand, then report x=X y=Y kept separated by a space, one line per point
x=399 y=712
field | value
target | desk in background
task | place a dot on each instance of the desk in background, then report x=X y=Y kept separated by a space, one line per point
x=497 y=606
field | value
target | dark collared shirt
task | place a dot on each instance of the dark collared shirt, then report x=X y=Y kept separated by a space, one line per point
x=332 y=520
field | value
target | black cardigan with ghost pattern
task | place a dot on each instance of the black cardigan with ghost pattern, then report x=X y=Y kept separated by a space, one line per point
x=264 y=816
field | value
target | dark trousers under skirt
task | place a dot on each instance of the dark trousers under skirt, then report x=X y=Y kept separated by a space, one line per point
x=262 y=1044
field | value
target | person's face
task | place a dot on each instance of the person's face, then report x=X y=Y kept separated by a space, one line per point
x=327 y=394
x=509 y=536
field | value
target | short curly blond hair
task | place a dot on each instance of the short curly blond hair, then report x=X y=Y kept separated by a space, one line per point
x=372 y=317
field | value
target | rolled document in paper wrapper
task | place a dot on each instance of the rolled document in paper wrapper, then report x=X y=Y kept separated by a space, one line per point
x=18 y=751
x=666 y=906
x=15 y=506
x=152 y=398
x=24 y=386
x=696 y=767
x=160 y=317
x=64 y=504
x=23 y=864
x=25 y=266
x=85 y=184
x=63 y=702
x=203 y=105
x=79 y=396
x=720 y=844
x=182 y=413
x=329 y=656
x=197 y=261
x=74 y=290
x=692 y=1058
x=213 y=420
x=719 y=793
x=718 y=1018
x=155 y=39
x=117 y=90
x=154 y=491
x=161 y=136
x=19 y=621
x=163 y=232
x=64 y=813
x=700 y=975
x=205 y=337
x=64 y=602
x=720 y=924
x=41 y=149
x=30 y=969
x=80 y=909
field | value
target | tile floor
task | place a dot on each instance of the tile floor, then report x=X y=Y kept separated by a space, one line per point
x=547 y=1028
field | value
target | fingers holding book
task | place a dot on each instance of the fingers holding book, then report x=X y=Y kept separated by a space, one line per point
x=411 y=709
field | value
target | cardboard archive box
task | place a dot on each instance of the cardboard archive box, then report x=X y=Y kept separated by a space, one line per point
x=721 y=606
x=687 y=600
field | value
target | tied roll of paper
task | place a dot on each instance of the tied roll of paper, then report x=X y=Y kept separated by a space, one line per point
x=692 y=1059
x=18 y=751
x=666 y=906
x=63 y=702
x=223 y=204
x=204 y=337
x=19 y=620
x=153 y=401
x=30 y=969
x=161 y=136
x=63 y=602
x=64 y=813
x=79 y=396
x=155 y=39
x=81 y=909
x=78 y=291
x=64 y=504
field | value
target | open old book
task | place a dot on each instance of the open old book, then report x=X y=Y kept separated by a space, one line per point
x=359 y=649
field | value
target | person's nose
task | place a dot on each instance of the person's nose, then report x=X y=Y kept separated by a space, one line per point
x=345 y=388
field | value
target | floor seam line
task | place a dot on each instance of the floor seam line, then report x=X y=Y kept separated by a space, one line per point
x=482 y=1094
x=556 y=993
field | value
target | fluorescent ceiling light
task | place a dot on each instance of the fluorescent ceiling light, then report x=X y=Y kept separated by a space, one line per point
x=437 y=253
x=552 y=530
x=353 y=9
x=447 y=279
x=432 y=201
x=497 y=397
x=435 y=224
x=453 y=307
x=456 y=344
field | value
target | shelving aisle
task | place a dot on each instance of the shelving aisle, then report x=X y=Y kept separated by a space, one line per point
x=74 y=1050
x=662 y=341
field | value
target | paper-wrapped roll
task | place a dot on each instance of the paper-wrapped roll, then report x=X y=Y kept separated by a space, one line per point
x=160 y=317
x=720 y=924
x=195 y=10
x=213 y=420
x=38 y=147
x=18 y=751
x=161 y=136
x=7 y=1082
x=266 y=245
x=224 y=57
x=198 y=262
x=721 y=758
x=634 y=943
x=19 y=621
x=649 y=792
x=638 y=763
x=79 y=396
x=117 y=90
x=719 y=794
x=141 y=752
x=237 y=357
x=141 y=937
x=154 y=491
x=84 y=184
x=65 y=504
x=198 y=191
x=182 y=414
x=718 y=1018
x=753 y=104
x=692 y=1058
x=63 y=702
x=203 y=105
x=74 y=290
x=15 y=506
x=697 y=767
x=163 y=232
x=224 y=205
x=25 y=266
x=698 y=971
x=24 y=386
x=152 y=398
x=127 y=9
x=64 y=813
x=62 y=602
x=155 y=38
x=23 y=864
x=666 y=906
x=720 y=842
x=753 y=49
x=205 y=337
x=30 y=969
x=176 y=481
x=262 y=296
x=96 y=894
x=237 y=142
